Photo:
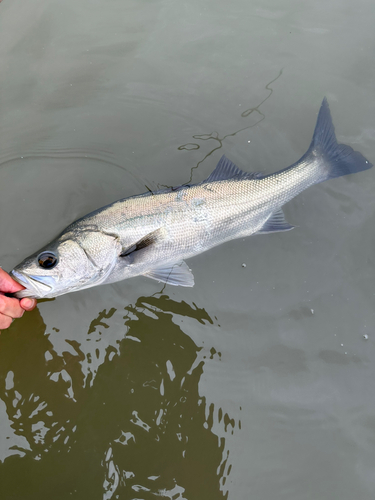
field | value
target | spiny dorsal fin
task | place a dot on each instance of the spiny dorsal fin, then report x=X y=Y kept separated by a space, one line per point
x=226 y=169
x=275 y=224
x=177 y=274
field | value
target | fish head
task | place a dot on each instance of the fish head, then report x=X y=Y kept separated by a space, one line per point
x=68 y=264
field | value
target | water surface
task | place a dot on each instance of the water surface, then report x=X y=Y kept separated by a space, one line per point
x=258 y=382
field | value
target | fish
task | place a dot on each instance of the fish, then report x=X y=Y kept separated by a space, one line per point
x=154 y=233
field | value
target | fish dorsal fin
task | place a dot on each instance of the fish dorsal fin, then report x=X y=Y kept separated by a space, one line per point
x=275 y=224
x=226 y=169
x=146 y=241
x=177 y=274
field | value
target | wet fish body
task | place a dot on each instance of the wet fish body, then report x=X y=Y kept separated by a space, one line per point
x=152 y=234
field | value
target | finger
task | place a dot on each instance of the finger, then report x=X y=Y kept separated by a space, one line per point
x=28 y=304
x=5 y=321
x=10 y=307
x=8 y=284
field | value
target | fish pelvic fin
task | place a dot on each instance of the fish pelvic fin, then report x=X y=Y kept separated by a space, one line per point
x=338 y=159
x=177 y=274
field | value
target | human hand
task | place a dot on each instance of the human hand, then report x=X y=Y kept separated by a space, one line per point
x=11 y=308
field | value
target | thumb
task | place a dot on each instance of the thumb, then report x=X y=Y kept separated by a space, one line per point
x=28 y=304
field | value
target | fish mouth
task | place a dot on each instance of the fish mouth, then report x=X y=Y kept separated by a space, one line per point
x=35 y=286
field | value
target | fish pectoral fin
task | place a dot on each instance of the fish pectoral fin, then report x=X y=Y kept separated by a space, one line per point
x=275 y=224
x=146 y=241
x=177 y=274
x=226 y=169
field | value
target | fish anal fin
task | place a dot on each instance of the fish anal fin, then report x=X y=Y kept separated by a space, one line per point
x=177 y=274
x=226 y=169
x=275 y=223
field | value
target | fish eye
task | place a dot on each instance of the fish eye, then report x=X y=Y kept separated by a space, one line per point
x=48 y=260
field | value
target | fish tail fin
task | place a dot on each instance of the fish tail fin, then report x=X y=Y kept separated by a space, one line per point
x=338 y=159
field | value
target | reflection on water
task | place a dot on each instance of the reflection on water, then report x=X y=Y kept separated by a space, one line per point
x=127 y=421
x=191 y=146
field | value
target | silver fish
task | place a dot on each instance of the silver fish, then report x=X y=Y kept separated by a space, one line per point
x=152 y=234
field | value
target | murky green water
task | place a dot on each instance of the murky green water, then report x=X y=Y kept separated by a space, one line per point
x=258 y=382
